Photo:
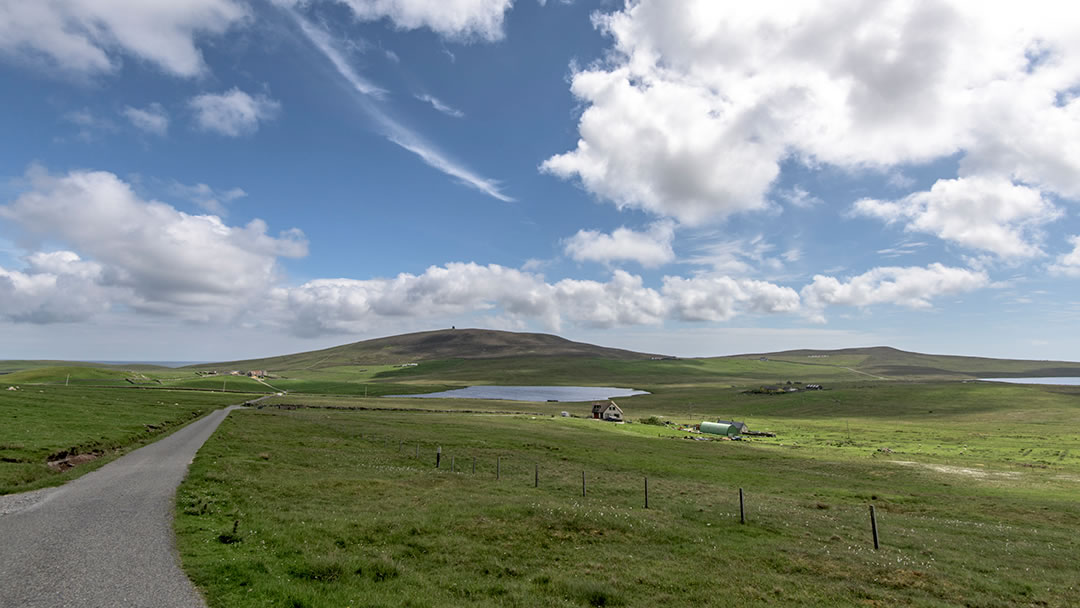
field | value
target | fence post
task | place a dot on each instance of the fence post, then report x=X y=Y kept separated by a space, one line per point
x=452 y=464
x=742 y=508
x=536 y=477
x=583 y=484
x=646 y=492
x=438 y=456
x=873 y=526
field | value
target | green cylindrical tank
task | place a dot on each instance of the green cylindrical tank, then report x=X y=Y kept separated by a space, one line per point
x=717 y=428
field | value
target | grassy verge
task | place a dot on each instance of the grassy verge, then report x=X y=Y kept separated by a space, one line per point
x=316 y=507
x=47 y=422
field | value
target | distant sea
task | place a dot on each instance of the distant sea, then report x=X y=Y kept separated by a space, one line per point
x=1066 y=381
x=161 y=363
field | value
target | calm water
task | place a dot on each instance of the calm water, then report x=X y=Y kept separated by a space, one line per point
x=532 y=393
x=1067 y=381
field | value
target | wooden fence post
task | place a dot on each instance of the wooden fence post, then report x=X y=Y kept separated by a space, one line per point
x=742 y=508
x=646 y=492
x=438 y=456
x=873 y=526
x=536 y=477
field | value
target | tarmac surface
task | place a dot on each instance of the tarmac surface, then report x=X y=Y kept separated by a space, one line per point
x=104 y=539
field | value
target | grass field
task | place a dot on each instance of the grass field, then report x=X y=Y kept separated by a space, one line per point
x=976 y=502
x=49 y=422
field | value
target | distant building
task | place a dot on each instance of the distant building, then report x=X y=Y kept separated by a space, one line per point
x=741 y=426
x=813 y=387
x=607 y=410
x=257 y=373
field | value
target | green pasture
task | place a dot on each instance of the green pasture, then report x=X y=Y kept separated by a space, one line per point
x=40 y=422
x=323 y=507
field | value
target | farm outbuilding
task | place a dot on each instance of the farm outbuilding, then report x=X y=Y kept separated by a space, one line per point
x=740 y=426
x=717 y=428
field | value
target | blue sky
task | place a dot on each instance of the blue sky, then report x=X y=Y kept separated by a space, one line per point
x=217 y=179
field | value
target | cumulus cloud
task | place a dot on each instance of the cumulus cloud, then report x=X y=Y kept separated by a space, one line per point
x=56 y=287
x=152 y=119
x=456 y=19
x=650 y=248
x=698 y=105
x=986 y=213
x=233 y=113
x=1068 y=264
x=90 y=36
x=515 y=296
x=911 y=287
x=721 y=298
x=164 y=260
x=329 y=305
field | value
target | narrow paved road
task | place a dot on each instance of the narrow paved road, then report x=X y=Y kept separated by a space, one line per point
x=104 y=539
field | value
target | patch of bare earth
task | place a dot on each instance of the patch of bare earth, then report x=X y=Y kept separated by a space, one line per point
x=963 y=471
x=70 y=462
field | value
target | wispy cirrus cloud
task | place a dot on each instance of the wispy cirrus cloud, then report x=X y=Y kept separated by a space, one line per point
x=391 y=128
x=440 y=106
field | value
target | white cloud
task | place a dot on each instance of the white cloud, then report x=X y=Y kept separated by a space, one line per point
x=514 y=296
x=911 y=287
x=391 y=129
x=699 y=103
x=207 y=198
x=799 y=197
x=326 y=45
x=330 y=305
x=89 y=36
x=162 y=260
x=57 y=287
x=153 y=119
x=457 y=19
x=990 y=214
x=233 y=113
x=721 y=298
x=440 y=106
x=737 y=256
x=651 y=248
x=1068 y=264
x=90 y=125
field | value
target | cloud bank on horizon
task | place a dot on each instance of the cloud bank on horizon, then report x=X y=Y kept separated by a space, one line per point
x=780 y=166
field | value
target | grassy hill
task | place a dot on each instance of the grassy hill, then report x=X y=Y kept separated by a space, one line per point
x=435 y=345
x=890 y=362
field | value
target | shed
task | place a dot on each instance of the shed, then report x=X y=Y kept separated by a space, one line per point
x=716 y=428
x=740 y=426
x=607 y=410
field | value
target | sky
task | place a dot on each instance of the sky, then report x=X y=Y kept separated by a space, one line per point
x=219 y=179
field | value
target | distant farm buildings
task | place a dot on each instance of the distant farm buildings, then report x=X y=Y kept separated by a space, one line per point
x=739 y=426
x=607 y=410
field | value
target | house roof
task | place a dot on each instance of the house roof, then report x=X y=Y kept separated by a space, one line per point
x=735 y=423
